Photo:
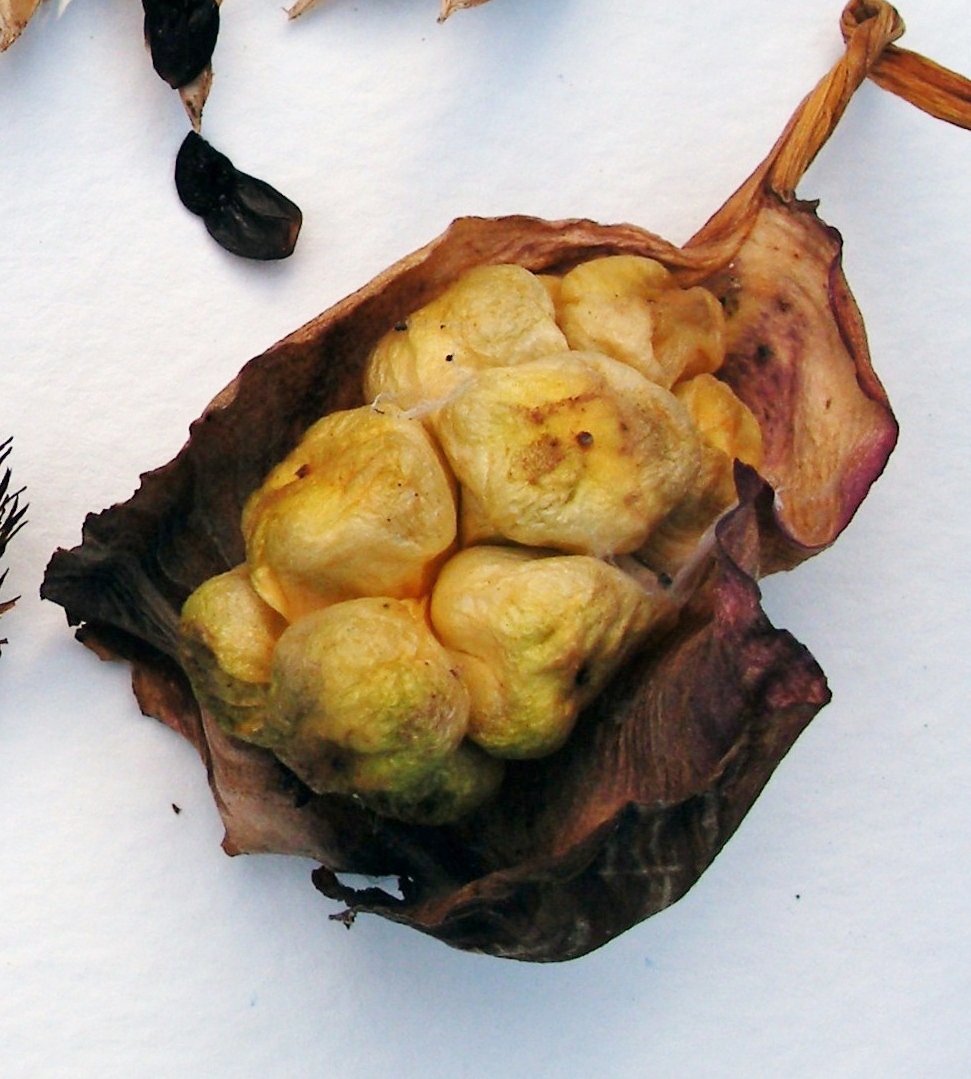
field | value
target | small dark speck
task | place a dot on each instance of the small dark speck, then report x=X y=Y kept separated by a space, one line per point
x=584 y=438
x=798 y=896
x=176 y=809
x=400 y=327
x=450 y=357
x=665 y=580
x=302 y=472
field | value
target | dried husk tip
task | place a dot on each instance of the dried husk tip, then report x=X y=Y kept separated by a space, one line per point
x=660 y=770
x=14 y=16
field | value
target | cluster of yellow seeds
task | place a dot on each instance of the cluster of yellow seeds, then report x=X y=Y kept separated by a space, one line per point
x=443 y=578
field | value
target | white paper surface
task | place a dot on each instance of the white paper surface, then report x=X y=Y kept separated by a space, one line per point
x=831 y=937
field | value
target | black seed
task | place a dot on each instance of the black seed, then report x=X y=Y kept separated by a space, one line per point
x=203 y=175
x=242 y=214
x=181 y=35
x=257 y=222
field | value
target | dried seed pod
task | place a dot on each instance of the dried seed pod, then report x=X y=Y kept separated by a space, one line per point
x=181 y=36
x=244 y=215
x=663 y=765
x=12 y=513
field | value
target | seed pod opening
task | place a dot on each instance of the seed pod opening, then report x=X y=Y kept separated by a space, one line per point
x=662 y=765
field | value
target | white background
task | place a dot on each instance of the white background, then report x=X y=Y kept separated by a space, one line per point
x=832 y=936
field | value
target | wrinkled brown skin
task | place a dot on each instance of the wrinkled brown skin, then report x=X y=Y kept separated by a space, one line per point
x=621 y=822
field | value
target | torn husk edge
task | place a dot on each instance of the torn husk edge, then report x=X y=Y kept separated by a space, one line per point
x=664 y=766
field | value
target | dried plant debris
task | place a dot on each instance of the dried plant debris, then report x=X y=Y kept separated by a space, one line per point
x=448 y=7
x=564 y=851
x=14 y=16
x=12 y=519
x=244 y=215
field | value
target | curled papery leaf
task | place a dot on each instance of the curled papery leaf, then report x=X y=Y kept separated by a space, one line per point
x=244 y=215
x=181 y=35
x=660 y=768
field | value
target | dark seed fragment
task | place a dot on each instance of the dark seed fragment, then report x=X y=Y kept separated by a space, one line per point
x=257 y=222
x=203 y=175
x=181 y=35
x=244 y=215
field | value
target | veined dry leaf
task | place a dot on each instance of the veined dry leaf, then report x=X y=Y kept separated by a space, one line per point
x=663 y=766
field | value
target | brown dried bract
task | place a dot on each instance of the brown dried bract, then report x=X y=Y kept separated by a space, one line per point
x=583 y=844
x=14 y=16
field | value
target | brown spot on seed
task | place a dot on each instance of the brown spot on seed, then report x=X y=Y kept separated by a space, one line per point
x=584 y=439
x=541 y=457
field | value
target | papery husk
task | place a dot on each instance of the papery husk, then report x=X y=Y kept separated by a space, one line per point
x=14 y=16
x=585 y=843
x=448 y=7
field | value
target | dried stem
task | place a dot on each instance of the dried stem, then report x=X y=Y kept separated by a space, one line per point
x=869 y=28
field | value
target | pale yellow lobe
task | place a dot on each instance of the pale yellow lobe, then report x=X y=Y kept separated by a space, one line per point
x=493 y=316
x=235 y=624
x=426 y=790
x=722 y=417
x=363 y=506
x=373 y=706
x=729 y=432
x=367 y=676
x=538 y=636
x=574 y=451
x=726 y=425
x=689 y=333
x=630 y=308
x=604 y=305
x=227 y=635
